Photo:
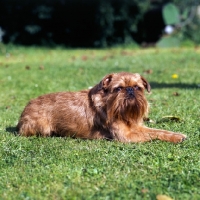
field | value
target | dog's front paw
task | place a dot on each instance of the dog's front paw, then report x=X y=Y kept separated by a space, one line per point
x=178 y=137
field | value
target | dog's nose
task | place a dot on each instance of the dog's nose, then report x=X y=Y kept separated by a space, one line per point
x=130 y=91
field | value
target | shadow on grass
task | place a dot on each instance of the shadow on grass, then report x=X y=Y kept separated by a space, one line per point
x=174 y=85
x=12 y=130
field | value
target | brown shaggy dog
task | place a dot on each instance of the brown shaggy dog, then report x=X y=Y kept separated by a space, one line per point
x=113 y=109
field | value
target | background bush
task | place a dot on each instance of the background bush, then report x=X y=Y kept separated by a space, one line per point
x=88 y=23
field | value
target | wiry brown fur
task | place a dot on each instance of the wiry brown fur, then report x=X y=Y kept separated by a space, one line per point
x=113 y=109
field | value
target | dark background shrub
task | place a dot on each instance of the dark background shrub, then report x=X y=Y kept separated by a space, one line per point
x=83 y=23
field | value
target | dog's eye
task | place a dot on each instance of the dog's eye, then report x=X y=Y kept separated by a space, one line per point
x=137 y=87
x=118 y=89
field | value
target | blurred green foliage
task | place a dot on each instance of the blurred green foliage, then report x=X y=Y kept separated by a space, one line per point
x=96 y=23
x=171 y=14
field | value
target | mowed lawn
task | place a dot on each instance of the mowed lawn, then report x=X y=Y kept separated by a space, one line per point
x=65 y=168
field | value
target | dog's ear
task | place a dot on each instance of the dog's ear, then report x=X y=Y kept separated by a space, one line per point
x=146 y=84
x=105 y=82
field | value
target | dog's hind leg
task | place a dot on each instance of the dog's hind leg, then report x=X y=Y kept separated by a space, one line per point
x=30 y=127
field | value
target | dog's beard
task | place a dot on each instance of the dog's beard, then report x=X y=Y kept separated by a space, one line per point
x=127 y=109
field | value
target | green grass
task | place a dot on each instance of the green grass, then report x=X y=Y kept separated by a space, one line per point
x=65 y=168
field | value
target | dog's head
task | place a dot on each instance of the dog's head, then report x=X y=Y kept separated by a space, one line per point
x=122 y=96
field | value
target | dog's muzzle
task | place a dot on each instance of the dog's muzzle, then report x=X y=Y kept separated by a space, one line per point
x=130 y=91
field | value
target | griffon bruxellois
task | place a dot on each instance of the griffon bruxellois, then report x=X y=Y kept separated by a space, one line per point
x=113 y=109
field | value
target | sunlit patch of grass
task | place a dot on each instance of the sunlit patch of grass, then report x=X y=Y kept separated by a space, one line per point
x=65 y=168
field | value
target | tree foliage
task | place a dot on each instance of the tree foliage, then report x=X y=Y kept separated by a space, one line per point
x=88 y=23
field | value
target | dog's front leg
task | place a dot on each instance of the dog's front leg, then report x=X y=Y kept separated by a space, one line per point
x=125 y=133
x=147 y=134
